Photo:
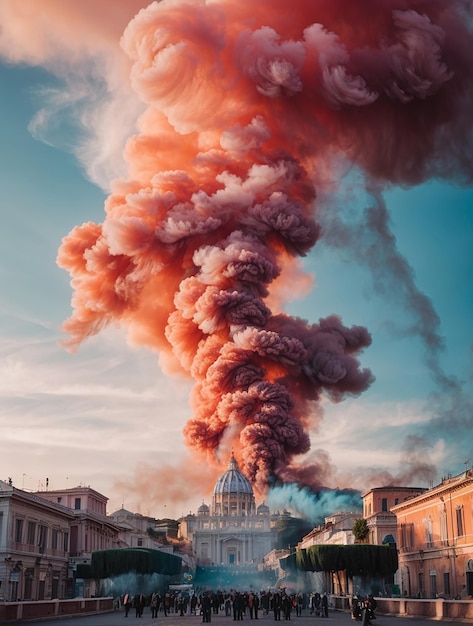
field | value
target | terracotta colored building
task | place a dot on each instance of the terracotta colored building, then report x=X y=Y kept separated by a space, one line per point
x=377 y=505
x=435 y=540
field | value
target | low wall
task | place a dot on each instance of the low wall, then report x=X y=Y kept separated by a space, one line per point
x=431 y=608
x=436 y=609
x=12 y=611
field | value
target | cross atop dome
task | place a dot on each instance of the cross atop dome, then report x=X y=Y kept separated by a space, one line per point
x=233 y=463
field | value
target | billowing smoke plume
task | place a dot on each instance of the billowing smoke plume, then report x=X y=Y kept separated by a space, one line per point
x=250 y=108
x=314 y=507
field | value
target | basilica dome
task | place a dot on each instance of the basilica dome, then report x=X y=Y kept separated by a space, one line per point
x=233 y=481
x=203 y=509
x=263 y=509
x=233 y=493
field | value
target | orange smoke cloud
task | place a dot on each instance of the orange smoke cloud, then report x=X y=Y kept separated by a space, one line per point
x=246 y=110
x=167 y=486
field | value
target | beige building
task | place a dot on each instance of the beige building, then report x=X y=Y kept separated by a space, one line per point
x=136 y=531
x=90 y=530
x=336 y=529
x=435 y=540
x=34 y=546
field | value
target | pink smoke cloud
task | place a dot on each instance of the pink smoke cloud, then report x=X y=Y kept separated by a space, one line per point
x=247 y=112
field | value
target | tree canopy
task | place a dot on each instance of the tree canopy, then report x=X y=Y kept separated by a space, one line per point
x=109 y=563
x=360 y=529
x=356 y=560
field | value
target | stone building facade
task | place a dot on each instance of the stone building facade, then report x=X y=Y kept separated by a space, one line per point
x=377 y=504
x=34 y=546
x=90 y=530
x=435 y=540
x=233 y=530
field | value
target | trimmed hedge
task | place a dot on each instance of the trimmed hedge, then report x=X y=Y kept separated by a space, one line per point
x=109 y=563
x=356 y=560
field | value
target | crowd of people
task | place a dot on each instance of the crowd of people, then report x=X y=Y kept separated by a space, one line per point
x=237 y=604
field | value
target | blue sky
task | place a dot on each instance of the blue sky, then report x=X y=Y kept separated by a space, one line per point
x=97 y=416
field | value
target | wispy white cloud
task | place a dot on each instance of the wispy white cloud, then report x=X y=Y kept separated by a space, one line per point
x=91 y=417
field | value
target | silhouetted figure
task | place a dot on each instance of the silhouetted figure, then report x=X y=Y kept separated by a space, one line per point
x=207 y=608
x=140 y=602
x=127 y=603
x=286 y=606
x=324 y=605
x=238 y=606
x=277 y=606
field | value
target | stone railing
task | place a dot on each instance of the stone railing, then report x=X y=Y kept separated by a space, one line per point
x=33 y=610
x=436 y=609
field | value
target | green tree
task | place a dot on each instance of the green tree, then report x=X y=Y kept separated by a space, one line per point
x=360 y=530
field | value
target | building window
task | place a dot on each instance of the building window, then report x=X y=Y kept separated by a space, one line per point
x=66 y=542
x=19 y=531
x=77 y=504
x=54 y=539
x=446 y=583
x=396 y=501
x=428 y=532
x=403 y=537
x=43 y=536
x=460 y=525
x=421 y=584
x=31 y=533
x=407 y=537
x=384 y=504
x=29 y=575
x=443 y=527
x=59 y=499
x=433 y=584
x=140 y=542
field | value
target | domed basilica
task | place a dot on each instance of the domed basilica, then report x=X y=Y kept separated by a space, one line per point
x=232 y=531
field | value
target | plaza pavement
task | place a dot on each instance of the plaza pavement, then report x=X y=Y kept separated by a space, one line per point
x=117 y=618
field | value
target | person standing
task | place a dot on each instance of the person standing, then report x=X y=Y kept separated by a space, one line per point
x=194 y=604
x=256 y=605
x=127 y=603
x=286 y=606
x=140 y=602
x=238 y=606
x=276 y=601
x=154 y=605
x=265 y=598
x=207 y=608
x=324 y=605
x=251 y=604
x=167 y=604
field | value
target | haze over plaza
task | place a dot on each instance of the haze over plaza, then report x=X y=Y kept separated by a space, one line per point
x=107 y=416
